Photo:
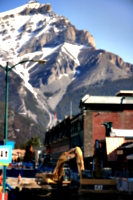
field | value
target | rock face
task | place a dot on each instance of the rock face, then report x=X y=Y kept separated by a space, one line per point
x=34 y=31
x=36 y=10
x=85 y=38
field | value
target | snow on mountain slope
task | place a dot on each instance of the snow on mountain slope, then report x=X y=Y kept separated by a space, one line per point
x=34 y=31
x=15 y=11
x=73 y=50
x=18 y=29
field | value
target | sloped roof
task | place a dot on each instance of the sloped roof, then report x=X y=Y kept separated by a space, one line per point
x=106 y=100
x=127 y=133
x=124 y=93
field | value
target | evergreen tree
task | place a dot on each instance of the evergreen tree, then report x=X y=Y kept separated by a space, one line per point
x=30 y=154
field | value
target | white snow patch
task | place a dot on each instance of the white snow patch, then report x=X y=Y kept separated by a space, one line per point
x=58 y=60
x=20 y=9
x=52 y=20
x=24 y=40
x=77 y=71
x=47 y=51
x=56 y=30
x=14 y=11
x=27 y=85
x=61 y=75
x=23 y=71
x=73 y=50
x=73 y=72
x=30 y=55
x=45 y=30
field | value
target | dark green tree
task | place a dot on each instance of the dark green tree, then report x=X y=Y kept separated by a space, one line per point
x=30 y=154
x=34 y=141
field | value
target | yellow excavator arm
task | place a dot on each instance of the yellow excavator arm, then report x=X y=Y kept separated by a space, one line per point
x=66 y=156
x=87 y=182
x=56 y=176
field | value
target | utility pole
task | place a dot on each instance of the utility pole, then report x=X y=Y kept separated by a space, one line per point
x=70 y=108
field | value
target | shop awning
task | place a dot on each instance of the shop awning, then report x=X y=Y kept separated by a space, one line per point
x=112 y=143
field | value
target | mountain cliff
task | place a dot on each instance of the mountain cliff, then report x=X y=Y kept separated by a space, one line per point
x=74 y=65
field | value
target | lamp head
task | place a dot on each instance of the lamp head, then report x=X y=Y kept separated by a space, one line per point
x=40 y=61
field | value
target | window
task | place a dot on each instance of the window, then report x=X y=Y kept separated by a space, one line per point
x=60 y=135
x=79 y=126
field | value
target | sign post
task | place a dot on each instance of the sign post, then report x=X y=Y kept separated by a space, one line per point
x=5 y=159
x=5 y=154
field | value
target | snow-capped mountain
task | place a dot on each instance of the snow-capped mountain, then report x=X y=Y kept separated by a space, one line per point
x=34 y=31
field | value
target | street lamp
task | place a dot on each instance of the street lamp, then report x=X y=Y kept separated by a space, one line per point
x=7 y=69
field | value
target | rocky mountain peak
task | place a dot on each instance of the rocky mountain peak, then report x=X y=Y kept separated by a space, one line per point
x=34 y=31
x=33 y=7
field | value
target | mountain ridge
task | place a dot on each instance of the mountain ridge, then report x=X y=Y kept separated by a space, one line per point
x=34 y=31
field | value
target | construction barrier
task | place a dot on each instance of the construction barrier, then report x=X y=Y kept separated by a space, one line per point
x=3 y=196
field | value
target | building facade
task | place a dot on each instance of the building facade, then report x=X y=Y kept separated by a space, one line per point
x=57 y=138
x=89 y=125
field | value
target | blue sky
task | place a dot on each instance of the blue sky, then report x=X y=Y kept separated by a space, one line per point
x=109 y=21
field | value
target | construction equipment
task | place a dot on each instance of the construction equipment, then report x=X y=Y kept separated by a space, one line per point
x=61 y=175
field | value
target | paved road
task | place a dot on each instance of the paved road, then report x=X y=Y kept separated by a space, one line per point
x=29 y=190
x=38 y=194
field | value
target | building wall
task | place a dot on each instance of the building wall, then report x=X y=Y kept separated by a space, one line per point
x=76 y=132
x=88 y=133
x=59 y=147
x=91 y=130
x=121 y=120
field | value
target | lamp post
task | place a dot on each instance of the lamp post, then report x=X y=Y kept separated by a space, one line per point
x=7 y=69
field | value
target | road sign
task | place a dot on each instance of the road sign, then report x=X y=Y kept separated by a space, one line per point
x=11 y=143
x=5 y=154
x=8 y=142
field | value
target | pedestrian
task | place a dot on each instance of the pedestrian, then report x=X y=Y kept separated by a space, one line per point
x=19 y=178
